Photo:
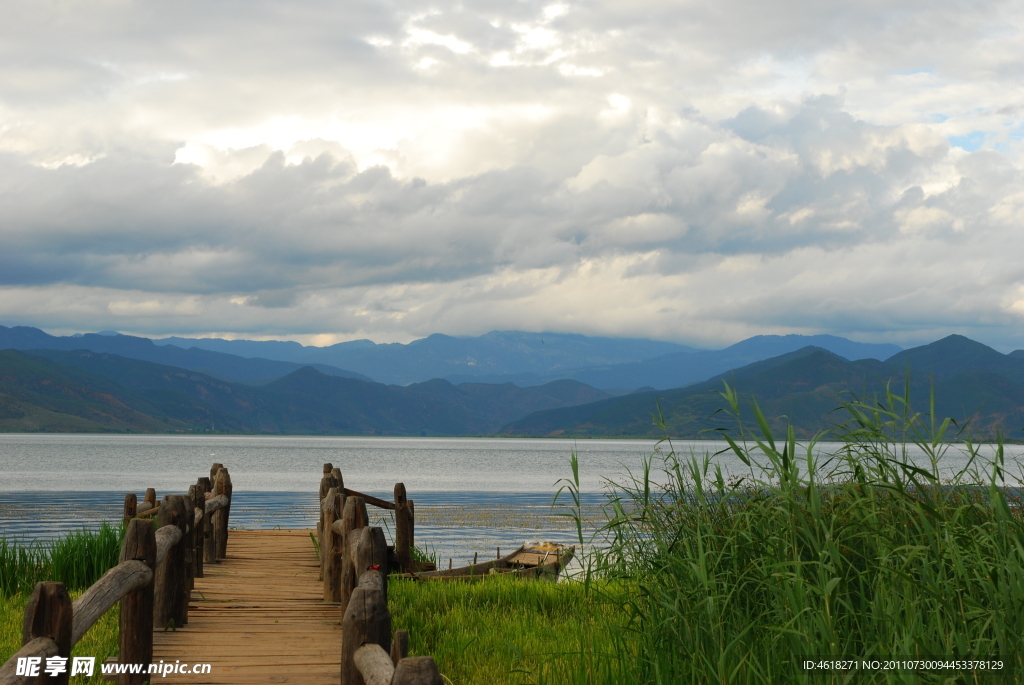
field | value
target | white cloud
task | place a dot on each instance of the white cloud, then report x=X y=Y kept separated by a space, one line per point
x=697 y=171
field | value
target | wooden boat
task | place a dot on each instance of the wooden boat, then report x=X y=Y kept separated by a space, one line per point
x=540 y=560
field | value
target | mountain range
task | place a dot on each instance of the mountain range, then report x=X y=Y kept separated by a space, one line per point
x=216 y=364
x=615 y=365
x=85 y=391
x=971 y=382
x=134 y=388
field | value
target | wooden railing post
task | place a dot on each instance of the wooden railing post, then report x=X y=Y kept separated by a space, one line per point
x=209 y=535
x=131 y=506
x=366 y=621
x=330 y=553
x=136 y=624
x=321 y=531
x=372 y=554
x=188 y=548
x=399 y=646
x=203 y=527
x=222 y=486
x=353 y=518
x=325 y=485
x=417 y=670
x=48 y=614
x=170 y=595
x=404 y=524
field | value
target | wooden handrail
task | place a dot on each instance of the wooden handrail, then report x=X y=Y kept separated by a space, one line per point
x=215 y=503
x=369 y=499
x=126 y=577
x=166 y=537
x=39 y=647
x=374 y=664
x=148 y=560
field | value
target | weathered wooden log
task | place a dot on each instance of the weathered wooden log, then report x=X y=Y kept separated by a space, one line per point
x=208 y=548
x=219 y=522
x=326 y=483
x=117 y=582
x=149 y=512
x=198 y=497
x=188 y=548
x=217 y=466
x=170 y=591
x=40 y=648
x=327 y=502
x=331 y=552
x=404 y=524
x=222 y=486
x=328 y=467
x=150 y=497
x=336 y=479
x=136 y=622
x=372 y=554
x=143 y=506
x=166 y=538
x=369 y=499
x=374 y=665
x=353 y=518
x=49 y=614
x=399 y=646
x=366 y=621
x=131 y=506
x=215 y=503
x=417 y=670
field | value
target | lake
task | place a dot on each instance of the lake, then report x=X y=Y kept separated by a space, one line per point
x=471 y=494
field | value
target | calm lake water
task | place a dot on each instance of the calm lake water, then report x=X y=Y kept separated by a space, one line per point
x=471 y=494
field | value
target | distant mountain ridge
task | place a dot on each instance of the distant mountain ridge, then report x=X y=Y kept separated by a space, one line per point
x=217 y=364
x=616 y=365
x=55 y=390
x=970 y=381
x=538 y=358
x=494 y=354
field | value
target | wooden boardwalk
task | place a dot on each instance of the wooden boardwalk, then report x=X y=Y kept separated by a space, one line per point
x=259 y=616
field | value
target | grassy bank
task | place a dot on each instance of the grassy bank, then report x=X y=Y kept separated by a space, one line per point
x=863 y=554
x=101 y=641
x=506 y=630
x=78 y=560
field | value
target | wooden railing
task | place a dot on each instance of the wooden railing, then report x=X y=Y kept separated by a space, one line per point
x=355 y=559
x=153 y=581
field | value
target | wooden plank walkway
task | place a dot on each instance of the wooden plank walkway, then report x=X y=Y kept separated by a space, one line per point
x=259 y=616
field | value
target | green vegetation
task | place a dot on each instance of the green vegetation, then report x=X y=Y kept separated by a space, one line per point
x=100 y=641
x=506 y=630
x=78 y=560
x=705 y=577
x=863 y=554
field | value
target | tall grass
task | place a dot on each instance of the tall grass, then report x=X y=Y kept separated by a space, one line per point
x=78 y=560
x=512 y=631
x=861 y=554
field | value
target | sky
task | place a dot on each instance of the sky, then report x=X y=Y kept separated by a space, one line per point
x=690 y=170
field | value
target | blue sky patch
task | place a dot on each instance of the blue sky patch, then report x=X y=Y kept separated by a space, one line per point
x=970 y=142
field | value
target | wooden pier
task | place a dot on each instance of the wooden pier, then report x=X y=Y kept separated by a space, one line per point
x=258 y=616
x=263 y=609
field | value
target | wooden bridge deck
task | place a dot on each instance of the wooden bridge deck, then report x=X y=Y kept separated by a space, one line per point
x=259 y=616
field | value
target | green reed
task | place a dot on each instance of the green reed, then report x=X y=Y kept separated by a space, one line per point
x=511 y=630
x=860 y=554
x=78 y=559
